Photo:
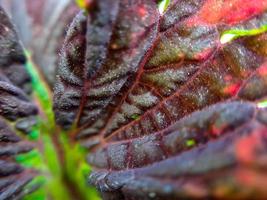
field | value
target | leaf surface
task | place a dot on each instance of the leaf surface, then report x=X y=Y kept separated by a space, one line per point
x=16 y=111
x=89 y=77
x=163 y=105
x=12 y=57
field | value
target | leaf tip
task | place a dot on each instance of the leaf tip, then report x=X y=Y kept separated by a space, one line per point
x=163 y=5
x=227 y=37
x=262 y=104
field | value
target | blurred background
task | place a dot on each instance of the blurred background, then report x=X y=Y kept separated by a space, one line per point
x=42 y=25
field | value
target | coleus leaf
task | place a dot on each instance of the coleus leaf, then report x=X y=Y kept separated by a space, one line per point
x=15 y=109
x=121 y=29
x=166 y=109
x=227 y=160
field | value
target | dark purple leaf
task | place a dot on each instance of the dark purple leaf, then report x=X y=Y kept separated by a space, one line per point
x=117 y=34
x=223 y=162
x=167 y=110
x=15 y=107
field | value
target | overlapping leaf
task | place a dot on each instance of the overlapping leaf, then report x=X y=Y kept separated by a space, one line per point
x=116 y=34
x=231 y=167
x=51 y=27
x=16 y=112
x=131 y=85
x=12 y=57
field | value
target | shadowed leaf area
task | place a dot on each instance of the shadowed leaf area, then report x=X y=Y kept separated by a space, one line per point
x=17 y=114
x=168 y=110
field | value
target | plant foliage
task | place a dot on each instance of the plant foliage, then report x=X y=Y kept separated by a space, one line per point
x=166 y=107
x=160 y=100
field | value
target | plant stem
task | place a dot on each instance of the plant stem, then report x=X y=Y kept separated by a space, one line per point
x=71 y=187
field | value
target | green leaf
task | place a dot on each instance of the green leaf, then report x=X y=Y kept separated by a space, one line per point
x=233 y=34
x=163 y=5
x=39 y=194
x=33 y=159
x=262 y=104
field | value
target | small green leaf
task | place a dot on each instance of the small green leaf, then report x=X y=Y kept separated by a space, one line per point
x=233 y=34
x=262 y=104
x=163 y=5
x=32 y=159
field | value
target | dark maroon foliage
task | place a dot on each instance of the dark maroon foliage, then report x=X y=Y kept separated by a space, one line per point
x=167 y=110
x=96 y=74
x=16 y=112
